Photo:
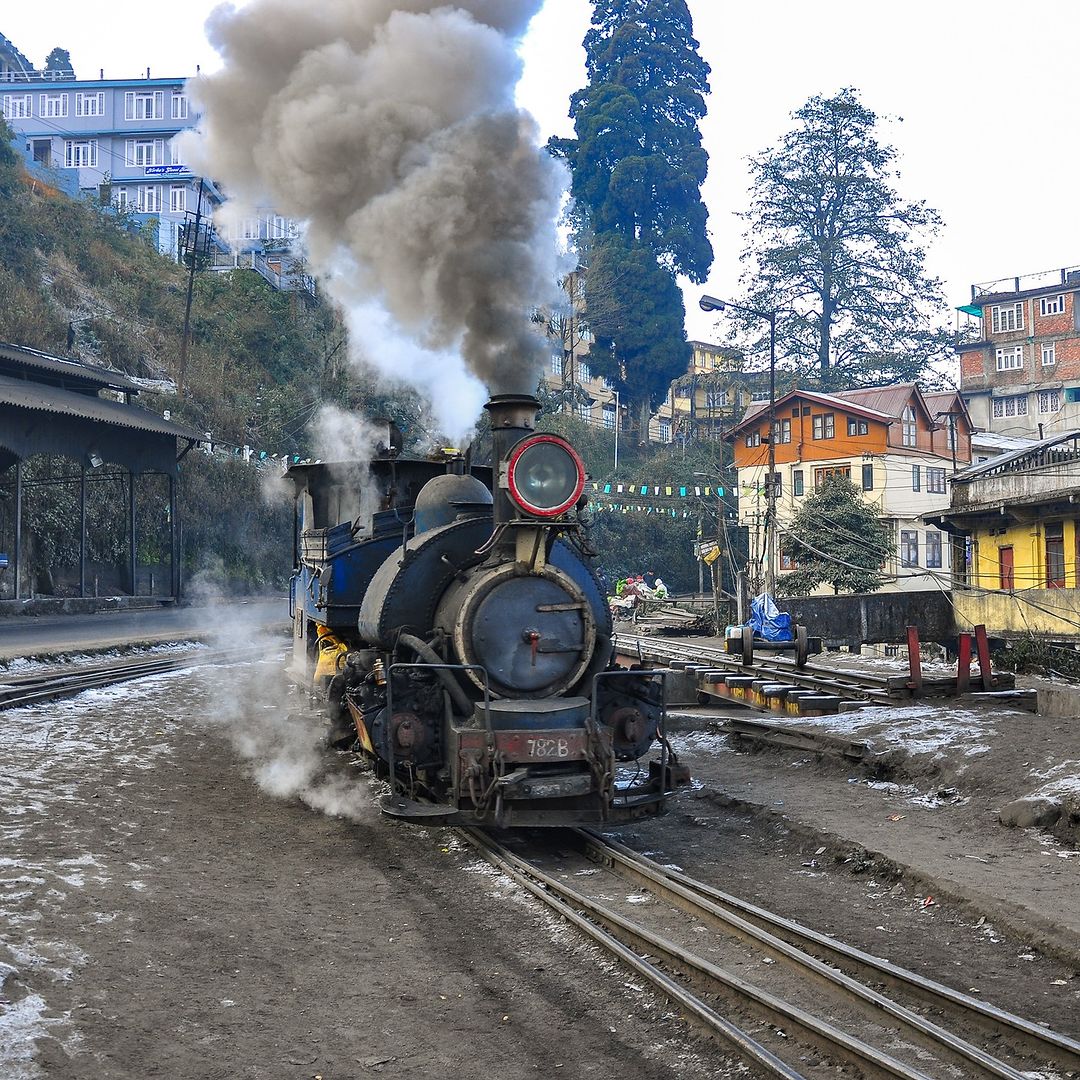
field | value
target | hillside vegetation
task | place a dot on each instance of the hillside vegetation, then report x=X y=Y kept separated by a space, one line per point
x=260 y=361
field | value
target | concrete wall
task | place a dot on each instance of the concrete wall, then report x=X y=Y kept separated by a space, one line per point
x=874 y=617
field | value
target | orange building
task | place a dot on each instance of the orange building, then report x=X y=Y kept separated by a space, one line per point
x=896 y=444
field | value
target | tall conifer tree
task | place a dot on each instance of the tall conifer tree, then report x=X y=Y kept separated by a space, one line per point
x=638 y=166
x=833 y=247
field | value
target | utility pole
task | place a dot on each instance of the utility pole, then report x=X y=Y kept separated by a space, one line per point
x=191 y=248
x=710 y=303
x=770 y=480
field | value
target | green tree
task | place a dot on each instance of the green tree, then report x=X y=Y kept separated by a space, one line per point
x=637 y=165
x=839 y=539
x=59 y=62
x=835 y=249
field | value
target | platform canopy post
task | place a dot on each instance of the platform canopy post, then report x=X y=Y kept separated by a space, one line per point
x=174 y=541
x=82 y=531
x=18 y=527
x=131 y=529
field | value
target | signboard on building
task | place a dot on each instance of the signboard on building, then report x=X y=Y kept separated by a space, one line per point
x=165 y=170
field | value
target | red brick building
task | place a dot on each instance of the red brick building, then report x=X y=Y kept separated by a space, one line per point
x=1022 y=377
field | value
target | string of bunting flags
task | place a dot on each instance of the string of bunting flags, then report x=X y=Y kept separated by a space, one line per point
x=625 y=498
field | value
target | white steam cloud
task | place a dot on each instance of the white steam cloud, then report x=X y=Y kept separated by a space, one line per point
x=388 y=129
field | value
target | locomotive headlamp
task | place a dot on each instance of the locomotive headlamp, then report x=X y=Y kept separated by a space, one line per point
x=545 y=475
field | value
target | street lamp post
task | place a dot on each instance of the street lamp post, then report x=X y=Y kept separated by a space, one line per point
x=710 y=303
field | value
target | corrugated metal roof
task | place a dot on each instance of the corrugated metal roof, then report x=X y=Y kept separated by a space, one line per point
x=886 y=399
x=1040 y=451
x=833 y=400
x=65 y=368
x=51 y=399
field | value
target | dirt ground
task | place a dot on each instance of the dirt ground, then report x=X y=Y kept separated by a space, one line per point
x=177 y=898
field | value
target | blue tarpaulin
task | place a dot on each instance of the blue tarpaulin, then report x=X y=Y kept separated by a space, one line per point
x=768 y=621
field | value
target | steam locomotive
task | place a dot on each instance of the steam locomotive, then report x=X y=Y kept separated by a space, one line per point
x=453 y=622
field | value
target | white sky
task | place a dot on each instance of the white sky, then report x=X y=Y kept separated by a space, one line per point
x=988 y=94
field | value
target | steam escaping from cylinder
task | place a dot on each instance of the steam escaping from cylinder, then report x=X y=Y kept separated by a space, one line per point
x=387 y=129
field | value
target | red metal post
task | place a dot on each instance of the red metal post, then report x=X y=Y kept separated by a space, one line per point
x=914 y=659
x=982 y=647
x=963 y=664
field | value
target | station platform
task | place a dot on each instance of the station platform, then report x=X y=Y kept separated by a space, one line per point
x=34 y=636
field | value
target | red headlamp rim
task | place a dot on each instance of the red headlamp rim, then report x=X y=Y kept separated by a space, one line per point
x=515 y=492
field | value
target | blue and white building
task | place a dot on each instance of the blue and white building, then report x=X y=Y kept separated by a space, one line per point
x=117 y=136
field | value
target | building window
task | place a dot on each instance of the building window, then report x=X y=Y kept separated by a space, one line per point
x=584 y=372
x=176 y=153
x=798 y=485
x=150 y=199
x=1052 y=305
x=935 y=481
x=910 y=429
x=144 y=105
x=665 y=431
x=909 y=547
x=933 y=549
x=824 y=426
x=143 y=152
x=950 y=432
x=1049 y=354
x=556 y=359
x=90 y=104
x=1005 y=317
x=916 y=478
x=715 y=399
x=584 y=411
x=1049 y=400
x=178 y=199
x=753 y=438
x=53 y=104
x=1055 y=555
x=868 y=478
x=121 y=198
x=80 y=153
x=759 y=395
x=1011 y=405
x=822 y=474
x=275 y=227
x=179 y=107
x=781 y=432
x=609 y=417
x=857 y=427
x=1011 y=359
x=250 y=229
x=17 y=106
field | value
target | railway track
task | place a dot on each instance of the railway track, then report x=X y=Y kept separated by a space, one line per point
x=866 y=687
x=792 y=1002
x=57 y=683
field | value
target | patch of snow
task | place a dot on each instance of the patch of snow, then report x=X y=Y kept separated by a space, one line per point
x=21 y=1024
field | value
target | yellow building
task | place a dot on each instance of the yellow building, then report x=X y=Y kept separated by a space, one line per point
x=1016 y=519
x=705 y=402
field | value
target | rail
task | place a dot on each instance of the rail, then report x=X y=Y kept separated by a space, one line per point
x=52 y=685
x=843 y=1007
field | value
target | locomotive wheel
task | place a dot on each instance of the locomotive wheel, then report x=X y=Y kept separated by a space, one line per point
x=802 y=646
x=748 y=646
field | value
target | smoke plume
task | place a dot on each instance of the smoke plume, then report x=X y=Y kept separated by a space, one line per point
x=387 y=128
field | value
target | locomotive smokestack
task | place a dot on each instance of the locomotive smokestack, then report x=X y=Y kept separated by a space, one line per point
x=513 y=416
